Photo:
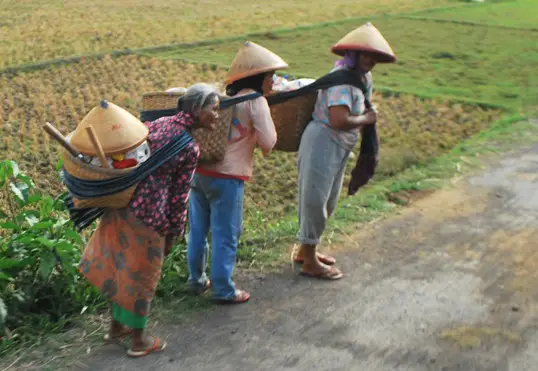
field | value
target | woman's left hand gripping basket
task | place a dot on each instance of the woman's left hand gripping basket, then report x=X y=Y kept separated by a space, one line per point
x=108 y=143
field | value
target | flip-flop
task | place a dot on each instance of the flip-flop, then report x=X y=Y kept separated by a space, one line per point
x=240 y=297
x=327 y=260
x=332 y=274
x=118 y=339
x=158 y=346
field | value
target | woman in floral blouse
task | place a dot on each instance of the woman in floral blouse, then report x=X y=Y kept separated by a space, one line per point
x=125 y=254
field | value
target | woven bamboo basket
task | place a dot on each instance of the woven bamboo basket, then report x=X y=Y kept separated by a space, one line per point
x=291 y=118
x=212 y=143
x=160 y=100
x=85 y=171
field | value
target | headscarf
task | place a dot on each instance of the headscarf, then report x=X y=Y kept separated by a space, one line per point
x=196 y=98
x=349 y=60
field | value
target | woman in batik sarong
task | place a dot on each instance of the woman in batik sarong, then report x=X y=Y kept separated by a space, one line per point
x=125 y=254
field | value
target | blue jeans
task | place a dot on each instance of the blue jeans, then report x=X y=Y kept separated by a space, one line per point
x=215 y=205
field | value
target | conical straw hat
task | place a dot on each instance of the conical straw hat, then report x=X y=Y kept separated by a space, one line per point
x=253 y=59
x=117 y=130
x=366 y=38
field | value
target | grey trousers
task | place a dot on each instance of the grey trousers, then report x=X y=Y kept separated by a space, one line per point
x=321 y=162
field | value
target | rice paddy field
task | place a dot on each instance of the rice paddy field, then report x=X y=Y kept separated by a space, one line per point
x=33 y=31
x=412 y=130
x=488 y=64
x=451 y=80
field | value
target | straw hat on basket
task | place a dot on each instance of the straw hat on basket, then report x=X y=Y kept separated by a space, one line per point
x=253 y=59
x=117 y=130
x=366 y=38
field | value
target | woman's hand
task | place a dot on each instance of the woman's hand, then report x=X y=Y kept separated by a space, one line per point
x=370 y=117
x=341 y=118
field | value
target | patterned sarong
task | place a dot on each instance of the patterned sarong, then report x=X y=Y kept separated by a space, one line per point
x=123 y=259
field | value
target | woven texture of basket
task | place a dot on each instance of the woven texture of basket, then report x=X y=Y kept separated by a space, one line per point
x=290 y=119
x=160 y=100
x=212 y=143
x=81 y=170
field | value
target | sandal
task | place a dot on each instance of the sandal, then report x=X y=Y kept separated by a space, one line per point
x=331 y=274
x=117 y=339
x=325 y=259
x=240 y=297
x=158 y=346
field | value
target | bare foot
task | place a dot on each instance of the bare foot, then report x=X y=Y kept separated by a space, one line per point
x=117 y=332
x=325 y=259
x=143 y=342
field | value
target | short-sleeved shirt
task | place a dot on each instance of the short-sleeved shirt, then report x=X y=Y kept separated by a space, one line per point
x=342 y=95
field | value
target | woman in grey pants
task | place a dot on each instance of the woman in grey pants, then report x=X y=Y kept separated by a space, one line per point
x=338 y=116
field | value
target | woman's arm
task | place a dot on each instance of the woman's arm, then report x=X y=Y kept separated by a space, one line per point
x=263 y=125
x=341 y=118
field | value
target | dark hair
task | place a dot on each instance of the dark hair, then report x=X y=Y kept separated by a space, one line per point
x=187 y=104
x=252 y=82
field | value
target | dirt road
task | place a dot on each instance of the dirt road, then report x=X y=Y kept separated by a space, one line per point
x=451 y=283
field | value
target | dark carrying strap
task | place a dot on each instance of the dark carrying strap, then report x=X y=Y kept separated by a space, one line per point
x=369 y=140
x=87 y=189
x=339 y=77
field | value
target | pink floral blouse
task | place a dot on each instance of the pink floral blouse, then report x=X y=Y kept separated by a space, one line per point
x=160 y=201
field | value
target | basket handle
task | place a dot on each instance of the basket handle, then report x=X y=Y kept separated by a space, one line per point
x=97 y=146
x=57 y=136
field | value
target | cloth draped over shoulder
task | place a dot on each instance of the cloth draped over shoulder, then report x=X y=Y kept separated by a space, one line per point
x=84 y=189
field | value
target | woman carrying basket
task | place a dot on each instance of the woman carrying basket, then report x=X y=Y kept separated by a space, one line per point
x=125 y=254
x=339 y=114
x=216 y=202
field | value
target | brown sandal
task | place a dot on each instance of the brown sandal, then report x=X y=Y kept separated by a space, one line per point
x=158 y=346
x=240 y=297
x=331 y=274
x=325 y=259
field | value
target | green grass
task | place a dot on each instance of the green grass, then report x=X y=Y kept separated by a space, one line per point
x=514 y=13
x=451 y=60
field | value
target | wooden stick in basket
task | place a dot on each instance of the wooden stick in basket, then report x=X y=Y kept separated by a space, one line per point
x=57 y=136
x=97 y=146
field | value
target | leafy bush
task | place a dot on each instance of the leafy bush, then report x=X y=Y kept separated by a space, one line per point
x=39 y=251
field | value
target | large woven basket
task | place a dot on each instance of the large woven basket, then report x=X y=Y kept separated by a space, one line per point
x=81 y=170
x=291 y=118
x=212 y=144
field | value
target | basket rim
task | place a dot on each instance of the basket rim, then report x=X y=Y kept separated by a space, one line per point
x=102 y=170
x=162 y=94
